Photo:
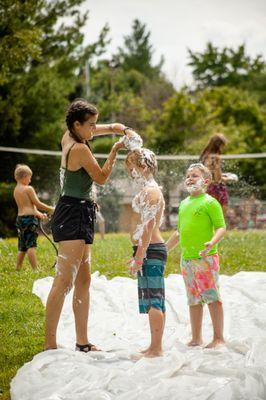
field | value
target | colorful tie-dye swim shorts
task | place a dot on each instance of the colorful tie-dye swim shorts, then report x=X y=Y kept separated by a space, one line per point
x=201 y=277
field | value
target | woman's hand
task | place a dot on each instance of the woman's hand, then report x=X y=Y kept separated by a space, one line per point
x=130 y=132
x=118 y=128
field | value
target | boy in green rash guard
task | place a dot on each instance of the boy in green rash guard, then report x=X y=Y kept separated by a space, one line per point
x=201 y=226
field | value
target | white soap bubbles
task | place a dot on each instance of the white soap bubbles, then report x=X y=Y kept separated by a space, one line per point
x=132 y=140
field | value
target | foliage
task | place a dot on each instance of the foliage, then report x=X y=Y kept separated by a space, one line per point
x=257 y=86
x=45 y=40
x=181 y=118
x=48 y=55
x=187 y=121
x=20 y=39
x=8 y=210
x=128 y=97
x=137 y=52
x=225 y=67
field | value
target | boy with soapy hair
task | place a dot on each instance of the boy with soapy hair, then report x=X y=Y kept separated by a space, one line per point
x=149 y=250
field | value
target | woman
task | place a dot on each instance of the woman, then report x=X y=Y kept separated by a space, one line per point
x=73 y=220
x=211 y=158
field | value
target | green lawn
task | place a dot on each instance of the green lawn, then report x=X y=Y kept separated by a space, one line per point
x=22 y=314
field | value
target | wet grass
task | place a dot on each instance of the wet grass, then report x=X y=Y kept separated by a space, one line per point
x=22 y=314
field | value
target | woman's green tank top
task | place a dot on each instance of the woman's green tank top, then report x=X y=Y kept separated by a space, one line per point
x=75 y=183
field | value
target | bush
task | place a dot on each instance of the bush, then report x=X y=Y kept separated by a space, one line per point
x=8 y=210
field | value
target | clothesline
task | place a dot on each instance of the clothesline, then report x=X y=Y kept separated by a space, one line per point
x=166 y=157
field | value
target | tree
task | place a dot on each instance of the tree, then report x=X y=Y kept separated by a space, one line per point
x=225 y=67
x=49 y=55
x=257 y=86
x=188 y=120
x=20 y=39
x=181 y=119
x=137 y=52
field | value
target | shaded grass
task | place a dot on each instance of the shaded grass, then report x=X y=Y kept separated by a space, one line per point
x=22 y=314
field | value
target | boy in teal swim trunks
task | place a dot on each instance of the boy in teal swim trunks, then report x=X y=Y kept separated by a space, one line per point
x=28 y=215
x=149 y=250
x=201 y=226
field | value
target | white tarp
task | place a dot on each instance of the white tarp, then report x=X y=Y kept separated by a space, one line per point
x=233 y=372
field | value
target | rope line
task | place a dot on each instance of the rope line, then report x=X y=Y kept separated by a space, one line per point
x=168 y=157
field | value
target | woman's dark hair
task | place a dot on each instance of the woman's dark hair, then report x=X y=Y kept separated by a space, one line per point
x=214 y=146
x=80 y=110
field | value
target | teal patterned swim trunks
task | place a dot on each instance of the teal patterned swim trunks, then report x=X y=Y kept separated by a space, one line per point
x=151 y=290
x=27 y=227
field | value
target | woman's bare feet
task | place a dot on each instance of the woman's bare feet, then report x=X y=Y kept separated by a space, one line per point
x=214 y=343
x=85 y=348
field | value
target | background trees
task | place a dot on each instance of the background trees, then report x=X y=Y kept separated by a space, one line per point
x=224 y=67
x=43 y=59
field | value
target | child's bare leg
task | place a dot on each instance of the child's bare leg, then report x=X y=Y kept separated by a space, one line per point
x=156 y=319
x=216 y=312
x=196 y=313
x=148 y=348
x=81 y=299
x=20 y=259
x=32 y=257
x=69 y=259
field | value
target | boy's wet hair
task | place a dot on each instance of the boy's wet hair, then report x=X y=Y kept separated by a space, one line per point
x=80 y=110
x=21 y=171
x=204 y=170
x=143 y=158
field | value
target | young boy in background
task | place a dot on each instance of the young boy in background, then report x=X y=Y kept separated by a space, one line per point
x=28 y=215
x=201 y=226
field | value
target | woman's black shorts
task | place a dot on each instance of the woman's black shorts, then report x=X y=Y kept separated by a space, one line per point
x=73 y=219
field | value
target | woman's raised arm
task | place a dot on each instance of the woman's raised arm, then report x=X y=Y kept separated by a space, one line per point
x=109 y=129
x=91 y=166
